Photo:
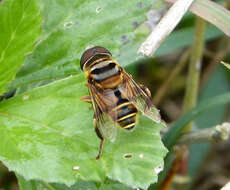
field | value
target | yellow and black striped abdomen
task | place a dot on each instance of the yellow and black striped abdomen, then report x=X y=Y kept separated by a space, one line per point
x=127 y=116
x=126 y=113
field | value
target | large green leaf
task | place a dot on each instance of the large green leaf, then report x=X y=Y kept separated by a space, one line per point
x=20 y=26
x=47 y=132
x=72 y=26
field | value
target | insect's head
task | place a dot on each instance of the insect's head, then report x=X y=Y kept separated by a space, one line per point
x=93 y=53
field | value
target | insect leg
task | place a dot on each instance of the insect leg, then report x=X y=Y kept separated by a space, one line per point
x=86 y=99
x=102 y=140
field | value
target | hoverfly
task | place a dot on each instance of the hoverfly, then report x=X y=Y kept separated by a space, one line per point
x=115 y=96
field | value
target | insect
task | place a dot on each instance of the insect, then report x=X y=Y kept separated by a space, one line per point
x=115 y=96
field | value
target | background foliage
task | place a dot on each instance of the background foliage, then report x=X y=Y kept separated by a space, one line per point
x=47 y=135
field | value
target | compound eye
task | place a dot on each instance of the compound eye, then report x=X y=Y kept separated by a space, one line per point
x=91 y=52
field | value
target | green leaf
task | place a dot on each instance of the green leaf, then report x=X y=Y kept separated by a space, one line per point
x=81 y=185
x=48 y=134
x=20 y=22
x=175 y=130
x=72 y=26
x=39 y=185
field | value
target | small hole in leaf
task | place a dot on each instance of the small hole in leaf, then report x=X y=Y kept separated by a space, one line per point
x=76 y=168
x=26 y=97
x=68 y=24
x=141 y=155
x=128 y=156
x=98 y=10
x=158 y=169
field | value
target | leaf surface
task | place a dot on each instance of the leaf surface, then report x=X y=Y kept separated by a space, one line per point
x=72 y=26
x=48 y=134
x=38 y=185
x=20 y=22
x=80 y=185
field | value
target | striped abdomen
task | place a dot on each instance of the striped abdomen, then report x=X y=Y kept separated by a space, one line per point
x=126 y=112
x=106 y=74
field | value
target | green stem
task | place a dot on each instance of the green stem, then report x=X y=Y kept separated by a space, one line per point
x=194 y=68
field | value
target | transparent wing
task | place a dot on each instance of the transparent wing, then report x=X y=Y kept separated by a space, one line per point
x=103 y=113
x=133 y=92
x=107 y=127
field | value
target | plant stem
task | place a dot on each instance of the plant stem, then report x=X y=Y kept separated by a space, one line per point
x=194 y=68
x=214 y=134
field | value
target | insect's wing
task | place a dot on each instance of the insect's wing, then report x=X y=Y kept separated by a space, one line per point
x=107 y=126
x=133 y=92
